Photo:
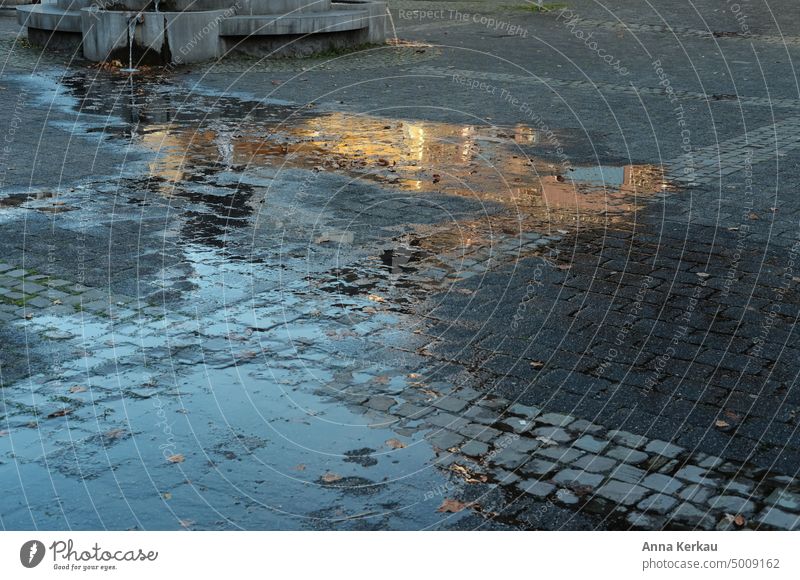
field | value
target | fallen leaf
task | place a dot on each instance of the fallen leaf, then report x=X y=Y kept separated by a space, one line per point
x=177 y=458
x=166 y=495
x=186 y=523
x=414 y=376
x=300 y=467
x=116 y=433
x=739 y=520
x=376 y=298
x=537 y=364
x=752 y=215
x=452 y=506
x=3 y=433
x=331 y=477
x=395 y=443
x=60 y=413
x=57 y=302
x=77 y=389
x=721 y=424
x=703 y=274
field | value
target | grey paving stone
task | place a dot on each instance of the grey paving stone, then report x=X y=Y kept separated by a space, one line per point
x=784 y=499
x=710 y=462
x=504 y=477
x=555 y=419
x=451 y=404
x=642 y=521
x=662 y=483
x=663 y=448
x=627 y=455
x=538 y=489
x=696 y=474
x=539 y=467
x=526 y=411
x=447 y=421
x=590 y=444
x=737 y=487
x=732 y=504
x=474 y=448
x=627 y=439
x=576 y=477
x=381 y=403
x=622 y=492
x=628 y=474
x=32 y=287
x=556 y=434
x=479 y=432
x=658 y=503
x=509 y=458
x=411 y=411
x=692 y=516
x=567 y=497
x=697 y=493
x=445 y=439
x=480 y=414
x=524 y=445
x=518 y=425
x=776 y=518
x=38 y=302
x=595 y=463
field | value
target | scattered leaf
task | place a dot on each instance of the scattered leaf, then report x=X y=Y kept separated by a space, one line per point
x=414 y=376
x=376 y=298
x=752 y=215
x=57 y=302
x=166 y=495
x=703 y=274
x=739 y=520
x=300 y=467
x=452 y=506
x=395 y=443
x=331 y=477
x=537 y=364
x=60 y=413
x=177 y=458
x=116 y=433
x=77 y=389
x=721 y=424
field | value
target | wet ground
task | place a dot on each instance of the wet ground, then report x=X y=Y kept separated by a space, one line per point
x=314 y=310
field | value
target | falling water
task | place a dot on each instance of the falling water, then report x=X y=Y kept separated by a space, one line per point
x=131 y=32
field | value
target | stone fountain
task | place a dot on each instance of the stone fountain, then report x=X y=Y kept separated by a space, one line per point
x=184 y=31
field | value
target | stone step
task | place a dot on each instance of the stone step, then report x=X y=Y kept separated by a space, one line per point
x=309 y=23
x=49 y=17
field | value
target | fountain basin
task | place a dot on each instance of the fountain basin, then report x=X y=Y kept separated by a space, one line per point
x=198 y=32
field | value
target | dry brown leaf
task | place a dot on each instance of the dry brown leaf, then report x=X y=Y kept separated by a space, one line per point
x=116 y=433
x=376 y=298
x=77 y=389
x=331 y=477
x=60 y=413
x=414 y=376
x=177 y=458
x=166 y=495
x=395 y=443
x=721 y=424
x=452 y=506
x=739 y=520
x=537 y=364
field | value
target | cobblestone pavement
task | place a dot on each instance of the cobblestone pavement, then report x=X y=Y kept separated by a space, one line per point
x=370 y=292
